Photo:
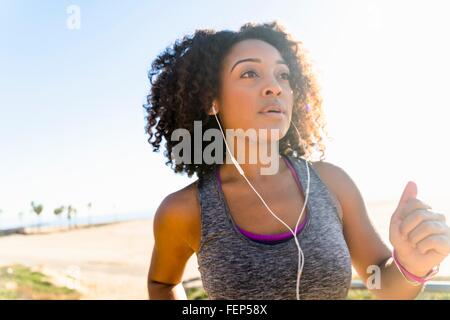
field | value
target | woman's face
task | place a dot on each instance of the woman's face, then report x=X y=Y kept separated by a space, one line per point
x=251 y=88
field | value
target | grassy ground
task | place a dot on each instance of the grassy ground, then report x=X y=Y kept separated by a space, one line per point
x=197 y=293
x=19 y=282
x=366 y=295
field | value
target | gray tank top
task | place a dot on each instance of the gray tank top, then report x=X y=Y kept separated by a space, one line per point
x=232 y=266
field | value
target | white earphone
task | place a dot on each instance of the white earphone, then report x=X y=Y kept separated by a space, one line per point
x=239 y=168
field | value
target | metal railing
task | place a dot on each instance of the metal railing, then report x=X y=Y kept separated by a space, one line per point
x=431 y=286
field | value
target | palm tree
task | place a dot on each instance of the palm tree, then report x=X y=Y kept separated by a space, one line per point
x=57 y=212
x=75 y=220
x=89 y=206
x=69 y=215
x=38 y=210
x=71 y=211
x=75 y=211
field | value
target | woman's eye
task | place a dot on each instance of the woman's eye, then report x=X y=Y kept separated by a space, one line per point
x=284 y=75
x=248 y=72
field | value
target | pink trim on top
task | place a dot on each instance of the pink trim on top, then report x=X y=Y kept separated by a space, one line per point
x=271 y=237
x=279 y=236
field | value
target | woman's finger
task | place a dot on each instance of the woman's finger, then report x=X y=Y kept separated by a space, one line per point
x=412 y=220
x=426 y=229
x=415 y=204
x=439 y=243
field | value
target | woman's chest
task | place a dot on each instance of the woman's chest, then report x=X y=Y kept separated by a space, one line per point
x=250 y=213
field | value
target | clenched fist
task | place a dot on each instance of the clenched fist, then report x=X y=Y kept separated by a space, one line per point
x=420 y=237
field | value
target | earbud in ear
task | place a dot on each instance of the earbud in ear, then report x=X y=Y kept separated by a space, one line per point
x=214 y=109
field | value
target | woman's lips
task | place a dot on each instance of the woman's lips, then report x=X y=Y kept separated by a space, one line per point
x=272 y=109
x=276 y=115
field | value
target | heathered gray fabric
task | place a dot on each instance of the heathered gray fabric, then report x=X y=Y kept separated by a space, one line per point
x=233 y=266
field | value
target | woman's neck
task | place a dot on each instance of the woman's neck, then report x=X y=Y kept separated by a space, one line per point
x=256 y=172
x=259 y=161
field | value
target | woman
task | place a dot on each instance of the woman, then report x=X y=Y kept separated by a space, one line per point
x=259 y=78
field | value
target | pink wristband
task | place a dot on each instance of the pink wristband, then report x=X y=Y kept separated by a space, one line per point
x=411 y=277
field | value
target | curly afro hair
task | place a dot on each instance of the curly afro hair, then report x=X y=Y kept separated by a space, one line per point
x=185 y=79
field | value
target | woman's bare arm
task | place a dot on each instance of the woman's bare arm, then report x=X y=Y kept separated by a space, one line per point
x=172 y=228
x=366 y=246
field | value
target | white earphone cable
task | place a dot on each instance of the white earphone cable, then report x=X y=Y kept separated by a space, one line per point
x=241 y=171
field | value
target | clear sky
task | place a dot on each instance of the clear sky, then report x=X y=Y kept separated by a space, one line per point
x=71 y=116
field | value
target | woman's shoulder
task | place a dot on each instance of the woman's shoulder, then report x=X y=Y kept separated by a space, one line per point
x=184 y=199
x=335 y=178
x=333 y=175
x=180 y=211
x=326 y=169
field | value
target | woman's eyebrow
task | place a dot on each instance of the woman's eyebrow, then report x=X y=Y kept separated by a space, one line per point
x=254 y=60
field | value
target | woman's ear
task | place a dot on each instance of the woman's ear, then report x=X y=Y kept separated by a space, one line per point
x=213 y=110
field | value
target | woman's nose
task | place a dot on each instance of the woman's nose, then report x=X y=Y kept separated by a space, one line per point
x=273 y=88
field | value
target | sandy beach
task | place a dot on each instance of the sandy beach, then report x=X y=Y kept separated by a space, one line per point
x=104 y=262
